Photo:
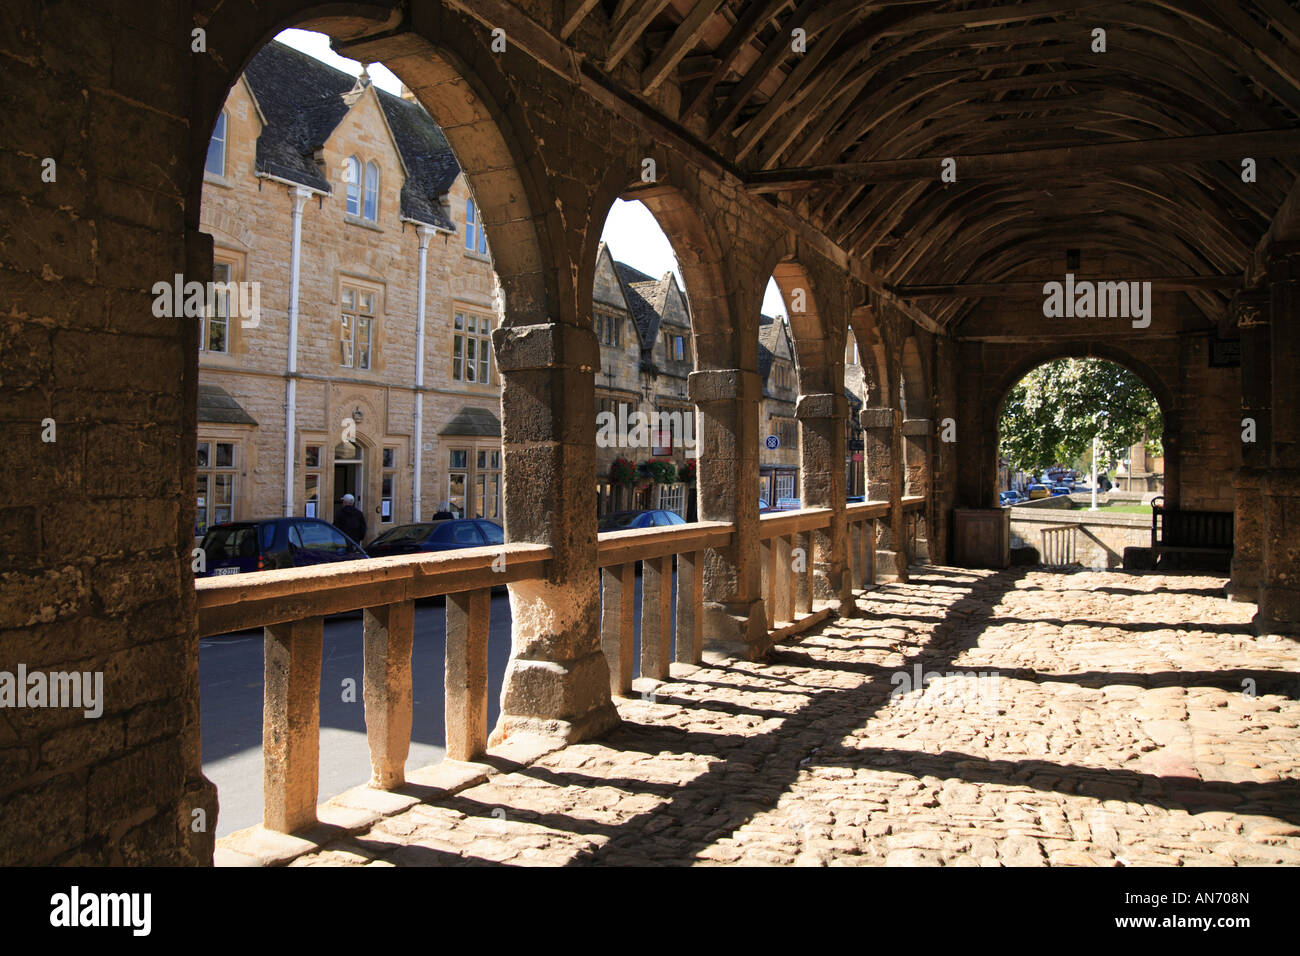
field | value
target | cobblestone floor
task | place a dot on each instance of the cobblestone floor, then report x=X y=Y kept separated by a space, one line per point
x=1121 y=730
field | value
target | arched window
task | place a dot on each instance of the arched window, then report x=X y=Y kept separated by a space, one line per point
x=352 y=176
x=216 y=162
x=475 y=237
x=372 y=192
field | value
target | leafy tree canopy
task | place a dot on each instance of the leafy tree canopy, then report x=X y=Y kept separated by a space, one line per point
x=1052 y=414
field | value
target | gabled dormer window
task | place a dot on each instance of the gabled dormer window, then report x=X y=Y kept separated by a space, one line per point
x=362 y=189
x=475 y=237
x=216 y=161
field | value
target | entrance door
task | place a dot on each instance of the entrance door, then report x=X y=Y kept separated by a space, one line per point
x=348 y=475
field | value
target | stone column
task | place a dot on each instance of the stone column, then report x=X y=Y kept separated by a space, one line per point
x=882 y=430
x=1248 y=507
x=1279 y=585
x=822 y=477
x=916 y=479
x=557 y=682
x=735 y=619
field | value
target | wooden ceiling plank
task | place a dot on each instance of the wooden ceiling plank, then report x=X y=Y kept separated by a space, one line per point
x=683 y=40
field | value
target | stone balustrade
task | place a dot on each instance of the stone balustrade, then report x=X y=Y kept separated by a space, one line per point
x=292 y=604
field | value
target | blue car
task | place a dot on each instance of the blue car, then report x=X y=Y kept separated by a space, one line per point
x=1008 y=498
x=623 y=520
x=238 y=547
x=448 y=534
x=1060 y=489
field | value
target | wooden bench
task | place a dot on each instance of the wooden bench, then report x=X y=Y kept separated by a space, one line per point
x=1204 y=536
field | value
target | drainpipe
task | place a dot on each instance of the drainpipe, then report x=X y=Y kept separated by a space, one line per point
x=424 y=232
x=299 y=195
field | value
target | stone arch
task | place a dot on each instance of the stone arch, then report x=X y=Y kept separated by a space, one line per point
x=872 y=355
x=915 y=383
x=718 y=326
x=1163 y=391
x=448 y=66
x=817 y=348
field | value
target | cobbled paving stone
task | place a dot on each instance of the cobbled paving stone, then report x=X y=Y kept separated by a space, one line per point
x=1133 y=720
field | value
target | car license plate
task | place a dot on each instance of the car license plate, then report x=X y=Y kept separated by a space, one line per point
x=225 y=570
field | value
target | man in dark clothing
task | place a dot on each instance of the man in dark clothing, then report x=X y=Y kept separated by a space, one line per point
x=349 y=519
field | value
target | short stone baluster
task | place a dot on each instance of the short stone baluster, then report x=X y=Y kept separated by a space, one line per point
x=803 y=580
x=656 y=616
x=388 y=632
x=617 y=624
x=690 y=618
x=291 y=724
x=468 y=620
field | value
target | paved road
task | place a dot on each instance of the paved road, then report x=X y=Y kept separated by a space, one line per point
x=230 y=678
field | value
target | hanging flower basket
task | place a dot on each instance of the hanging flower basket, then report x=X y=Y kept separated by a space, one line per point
x=686 y=472
x=644 y=478
x=622 y=472
x=663 y=472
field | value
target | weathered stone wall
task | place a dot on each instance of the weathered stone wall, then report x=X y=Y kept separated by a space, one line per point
x=1171 y=357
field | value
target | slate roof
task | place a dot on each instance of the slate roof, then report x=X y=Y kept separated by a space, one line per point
x=475 y=421
x=770 y=332
x=642 y=293
x=217 y=405
x=303 y=102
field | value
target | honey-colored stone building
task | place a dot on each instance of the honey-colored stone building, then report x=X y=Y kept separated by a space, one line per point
x=381 y=200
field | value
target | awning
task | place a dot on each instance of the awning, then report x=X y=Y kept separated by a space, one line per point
x=473 y=421
x=217 y=406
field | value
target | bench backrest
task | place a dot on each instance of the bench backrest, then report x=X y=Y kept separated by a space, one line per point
x=1174 y=527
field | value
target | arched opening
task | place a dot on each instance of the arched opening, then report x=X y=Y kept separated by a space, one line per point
x=1080 y=435
x=384 y=238
x=647 y=447
x=782 y=381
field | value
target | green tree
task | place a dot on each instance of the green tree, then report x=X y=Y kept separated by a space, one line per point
x=1052 y=414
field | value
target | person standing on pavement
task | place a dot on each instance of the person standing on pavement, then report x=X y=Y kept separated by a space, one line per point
x=349 y=519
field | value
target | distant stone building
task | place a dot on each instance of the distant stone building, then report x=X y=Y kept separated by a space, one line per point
x=367 y=404
x=778 y=468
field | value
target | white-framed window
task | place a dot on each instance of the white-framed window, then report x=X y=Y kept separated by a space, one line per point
x=457 y=479
x=214 y=336
x=215 y=482
x=356 y=319
x=471 y=348
x=784 y=486
x=388 y=487
x=673 y=498
x=475 y=236
x=487 y=485
x=352 y=177
x=370 y=210
x=216 y=161
x=311 y=460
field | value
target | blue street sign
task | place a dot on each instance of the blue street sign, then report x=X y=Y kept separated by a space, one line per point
x=773 y=443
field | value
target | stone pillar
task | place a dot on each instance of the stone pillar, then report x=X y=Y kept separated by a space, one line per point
x=822 y=476
x=1279 y=585
x=882 y=430
x=916 y=479
x=1247 y=484
x=735 y=619
x=557 y=681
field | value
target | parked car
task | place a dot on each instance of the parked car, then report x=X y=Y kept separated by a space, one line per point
x=1060 y=489
x=236 y=547
x=623 y=520
x=1006 y=498
x=856 y=499
x=787 y=504
x=448 y=534
x=1037 y=491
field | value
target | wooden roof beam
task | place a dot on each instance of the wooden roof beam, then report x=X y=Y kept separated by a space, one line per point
x=682 y=41
x=1028 y=287
x=1227 y=147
